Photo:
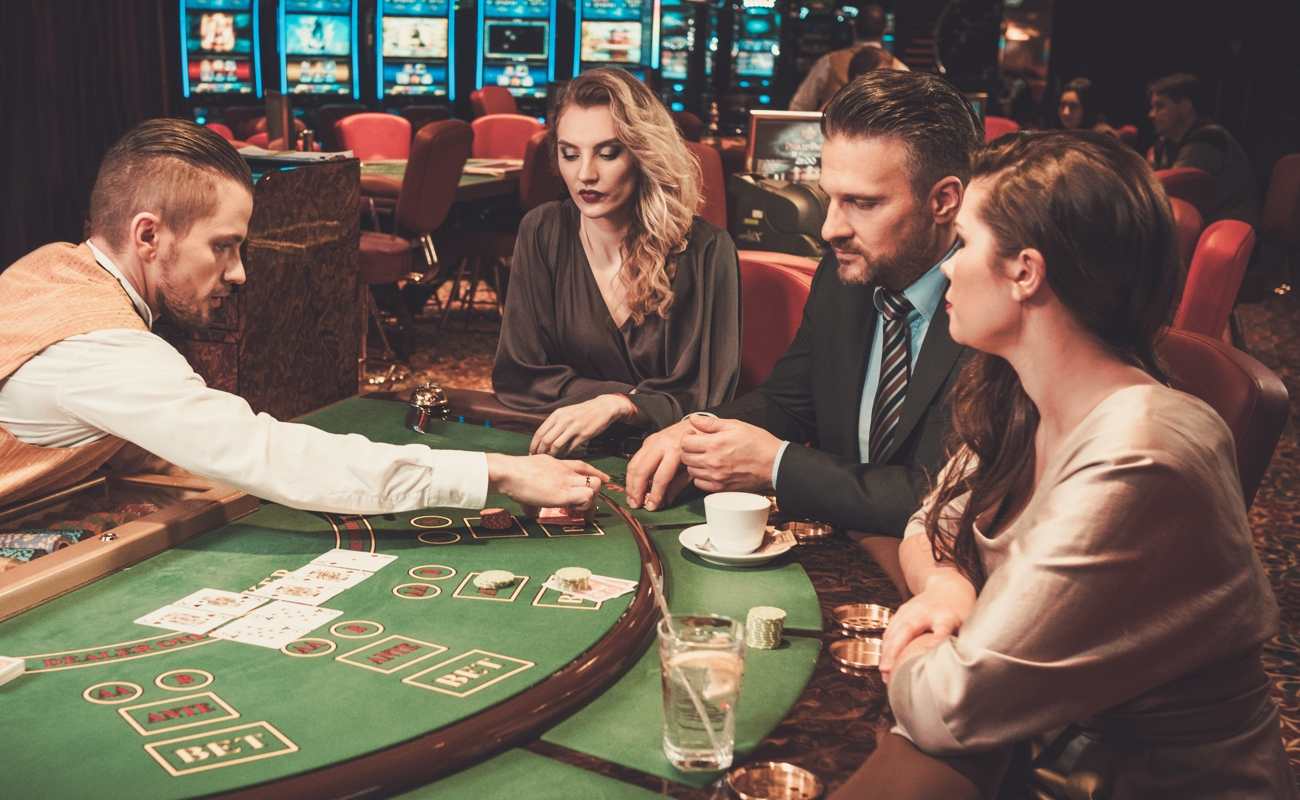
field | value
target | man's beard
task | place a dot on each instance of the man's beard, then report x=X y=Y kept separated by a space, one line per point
x=172 y=304
x=897 y=270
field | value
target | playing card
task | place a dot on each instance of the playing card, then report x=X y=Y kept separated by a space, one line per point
x=309 y=593
x=276 y=624
x=326 y=575
x=562 y=516
x=256 y=632
x=602 y=588
x=186 y=620
x=295 y=615
x=354 y=559
x=232 y=604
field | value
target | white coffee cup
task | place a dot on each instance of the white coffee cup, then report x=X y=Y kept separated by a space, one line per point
x=736 y=520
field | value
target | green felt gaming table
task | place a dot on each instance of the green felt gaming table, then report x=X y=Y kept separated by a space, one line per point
x=423 y=683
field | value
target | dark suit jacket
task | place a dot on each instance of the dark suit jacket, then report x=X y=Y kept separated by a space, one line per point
x=814 y=394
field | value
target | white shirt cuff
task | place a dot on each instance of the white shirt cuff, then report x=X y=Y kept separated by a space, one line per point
x=776 y=462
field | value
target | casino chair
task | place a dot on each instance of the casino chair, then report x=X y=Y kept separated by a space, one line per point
x=375 y=136
x=1249 y=396
x=503 y=135
x=1214 y=277
x=1196 y=186
x=690 y=126
x=421 y=115
x=1279 y=224
x=325 y=118
x=995 y=127
x=427 y=193
x=772 y=297
x=713 y=187
x=223 y=130
x=1187 y=229
x=492 y=100
x=800 y=264
x=1128 y=134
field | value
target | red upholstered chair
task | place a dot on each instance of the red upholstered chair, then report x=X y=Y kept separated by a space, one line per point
x=1196 y=186
x=1128 y=134
x=1214 y=277
x=1280 y=219
x=428 y=190
x=1187 y=225
x=801 y=264
x=372 y=136
x=223 y=130
x=539 y=181
x=1247 y=394
x=771 y=306
x=713 y=188
x=503 y=135
x=999 y=126
x=492 y=100
x=690 y=126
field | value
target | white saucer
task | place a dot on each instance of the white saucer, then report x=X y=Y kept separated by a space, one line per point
x=693 y=537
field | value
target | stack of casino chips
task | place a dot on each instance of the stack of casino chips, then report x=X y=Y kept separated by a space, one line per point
x=496 y=519
x=764 y=626
x=489 y=581
x=573 y=579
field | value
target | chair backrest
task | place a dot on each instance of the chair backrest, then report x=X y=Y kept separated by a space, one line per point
x=999 y=126
x=261 y=139
x=1196 y=186
x=713 y=187
x=801 y=264
x=324 y=121
x=771 y=306
x=372 y=135
x=691 y=126
x=503 y=135
x=492 y=100
x=222 y=130
x=1248 y=395
x=1187 y=227
x=1281 y=216
x=433 y=172
x=1214 y=277
x=420 y=115
x=539 y=182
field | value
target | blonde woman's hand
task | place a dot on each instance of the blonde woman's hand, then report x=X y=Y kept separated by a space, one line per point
x=570 y=427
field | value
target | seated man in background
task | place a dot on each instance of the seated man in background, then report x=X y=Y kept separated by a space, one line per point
x=867 y=375
x=1189 y=139
x=832 y=71
x=81 y=373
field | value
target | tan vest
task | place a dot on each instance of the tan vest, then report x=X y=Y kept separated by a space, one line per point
x=46 y=296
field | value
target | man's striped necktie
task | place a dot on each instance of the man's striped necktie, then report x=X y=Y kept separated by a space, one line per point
x=895 y=368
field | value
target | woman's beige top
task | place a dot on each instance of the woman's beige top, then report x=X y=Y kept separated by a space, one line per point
x=1131 y=567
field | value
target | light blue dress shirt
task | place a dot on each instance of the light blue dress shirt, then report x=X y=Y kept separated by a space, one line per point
x=925 y=294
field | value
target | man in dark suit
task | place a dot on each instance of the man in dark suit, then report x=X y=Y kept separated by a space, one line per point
x=865 y=381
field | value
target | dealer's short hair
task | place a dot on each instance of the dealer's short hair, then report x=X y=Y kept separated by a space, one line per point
x=167 y=166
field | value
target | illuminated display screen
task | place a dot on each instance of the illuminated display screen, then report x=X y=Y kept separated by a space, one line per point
x=319 y=6
x=525 y=9
x=415 y=37
x=312 y=34
x=415 y=48
x=516 y=39
x=618 y=42
x=755 y=65
x=319 y=76
x=318 y=47
x=786 y=145
x=612 y=9
x=415 y=78
x=218 y=52
x=674 y=65
x=521 y=79
x=416 y=8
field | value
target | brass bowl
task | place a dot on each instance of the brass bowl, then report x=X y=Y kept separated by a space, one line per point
x=808 y=532
x=773 y=780
x=857 y=657
x=862 y=619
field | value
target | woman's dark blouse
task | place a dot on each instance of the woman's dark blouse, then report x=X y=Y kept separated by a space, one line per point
x=560 y=346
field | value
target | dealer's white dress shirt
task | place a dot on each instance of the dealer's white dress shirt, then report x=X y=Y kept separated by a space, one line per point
x=134 y=385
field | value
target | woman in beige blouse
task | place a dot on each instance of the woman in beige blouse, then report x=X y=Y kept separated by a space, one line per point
x=1084 y=576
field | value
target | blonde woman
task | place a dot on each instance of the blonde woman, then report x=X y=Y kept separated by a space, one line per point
x=624 y=306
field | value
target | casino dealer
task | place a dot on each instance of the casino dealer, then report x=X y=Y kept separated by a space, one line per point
x=82 y=374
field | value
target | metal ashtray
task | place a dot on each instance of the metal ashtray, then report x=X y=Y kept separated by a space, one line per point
x=773 y=780
x=856 y=656
x=807 y=532
x=862 y=619
x=428 y=403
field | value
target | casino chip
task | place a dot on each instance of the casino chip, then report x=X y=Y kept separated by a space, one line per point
x=496 y=519
x=573 y=579
x=764 y=626
x=494 y=579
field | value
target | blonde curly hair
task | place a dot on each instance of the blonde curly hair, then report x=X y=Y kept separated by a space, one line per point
x=668 y=182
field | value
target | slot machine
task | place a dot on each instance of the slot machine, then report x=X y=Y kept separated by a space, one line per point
x=221 y=62
x=619 y=33
x=687 y=43
x=317 y=49
x=817 y=28
x=516 y=49
x=415 y=51
x=755 y=53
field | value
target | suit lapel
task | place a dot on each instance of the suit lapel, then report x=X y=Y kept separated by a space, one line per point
x=938 y=355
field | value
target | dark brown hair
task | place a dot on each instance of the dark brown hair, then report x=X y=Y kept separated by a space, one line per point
x=924 y=111
x=1177 y=87
x=1102 y=222
x=166 y=166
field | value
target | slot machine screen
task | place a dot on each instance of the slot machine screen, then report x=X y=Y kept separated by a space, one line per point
x=521 y=79
x=751 y=64
x=785 y=145
x=415 y=48
x=313 y=34
x=408 y=37
x=674 y=65
x=525 y=9
x=516 y=40
x=615 y=42
x=318 y=47
x=218 y=49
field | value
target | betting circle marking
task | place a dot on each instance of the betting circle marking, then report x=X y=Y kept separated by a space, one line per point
x=325 y=649
x=368 y=628
x=431 y=521
x=433 y=537
x=431 y=572
x=182 y=675
x=416 y=591
x=90 y=690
